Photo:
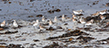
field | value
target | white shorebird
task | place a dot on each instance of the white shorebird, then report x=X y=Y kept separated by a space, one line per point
x=36 y=23
x=96 y=14
x=78 y=12
x=102 y=18
x=89 y=23
x=63 y=17
x=41 y=28
x=43 y=18
x=107 y=11
x=2 y=24
x=75 y=22
x=103 y=12
x=55 y=19
x=50 y=22
x=15 y=23
x=82 y=21
x=74 y=16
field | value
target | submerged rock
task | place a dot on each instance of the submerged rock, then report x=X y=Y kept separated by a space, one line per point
x=51 y=11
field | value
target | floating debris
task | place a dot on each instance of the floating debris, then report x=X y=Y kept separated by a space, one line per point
x=9 y=2
x=30 y=16
x=70 y=39
x=31 y=0
x=57 y=10
x=40 y=15
x=35 y=40
x=107 y=4
x=52 y=11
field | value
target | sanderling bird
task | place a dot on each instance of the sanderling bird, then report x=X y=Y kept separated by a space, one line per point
x=107 y=11
x=103 y=12
x=63 y=17
x=78 y=12
x=15 y=23
x=36 y=23
x=43 y=18
x=102 y=18
x=41 y=27
x=75 y=22
x=95 y=14
x=2 y=24
x=55 y=19
x=82 y=21
x=74 y=16
x=107 y=25
x=50 y=22
x=89 y=23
